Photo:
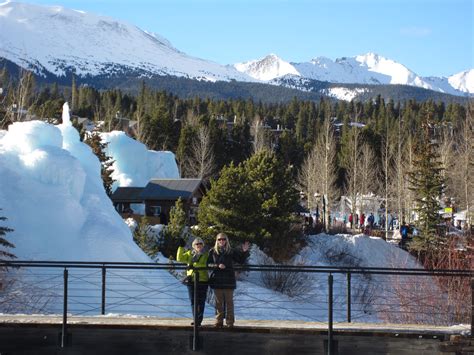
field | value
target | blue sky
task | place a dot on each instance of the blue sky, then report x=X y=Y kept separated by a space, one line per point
x=430 y=37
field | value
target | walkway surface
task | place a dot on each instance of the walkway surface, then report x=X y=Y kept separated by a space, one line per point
x=274 y=325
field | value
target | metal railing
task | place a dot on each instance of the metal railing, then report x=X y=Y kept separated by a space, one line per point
x=307 y=293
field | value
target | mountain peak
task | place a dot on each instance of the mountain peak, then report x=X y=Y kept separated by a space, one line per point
x=267 y=68
x=57 y=40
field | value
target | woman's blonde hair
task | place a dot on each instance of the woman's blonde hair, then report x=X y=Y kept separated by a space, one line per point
x=197 y=240
x=227 y=246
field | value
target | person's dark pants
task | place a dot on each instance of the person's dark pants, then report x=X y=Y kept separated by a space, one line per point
x=201 y=300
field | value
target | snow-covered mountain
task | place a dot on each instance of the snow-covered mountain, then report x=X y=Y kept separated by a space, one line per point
x=363 y=69
x=463 y=81
x=54 y=39
x=268 y=68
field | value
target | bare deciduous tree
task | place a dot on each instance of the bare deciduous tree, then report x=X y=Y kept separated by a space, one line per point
x=201 y=162
x=319 y=171
x=307 y=178
x=389 y=175
x=260 y=139
x=352 y=168
x=445 y=151
x=368 y=174
x=462 y=171
x=20 y=97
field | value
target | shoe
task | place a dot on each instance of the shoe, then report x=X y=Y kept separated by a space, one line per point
x=199 y=324
x=219 y=325
x=229 y=326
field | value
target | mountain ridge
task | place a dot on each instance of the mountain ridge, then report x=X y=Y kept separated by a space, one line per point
x=369 y=68
x=53 y=41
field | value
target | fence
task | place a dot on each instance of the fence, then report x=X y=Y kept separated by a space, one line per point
x=304 y=293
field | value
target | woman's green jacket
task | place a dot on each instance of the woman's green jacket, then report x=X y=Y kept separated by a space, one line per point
x=187 y=257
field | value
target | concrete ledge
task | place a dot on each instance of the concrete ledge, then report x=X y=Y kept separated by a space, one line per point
x=25 y=334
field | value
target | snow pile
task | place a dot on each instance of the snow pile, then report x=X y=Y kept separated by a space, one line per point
x=255 y=300
x=53 y=196
x=54 y=199
x=135 y=165
x=359 y=250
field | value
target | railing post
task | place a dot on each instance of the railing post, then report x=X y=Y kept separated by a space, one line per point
x=102 y=308
x=195 y=311
x=330 y=306
x=64 y=326
x=472 y=307
x=348 y=294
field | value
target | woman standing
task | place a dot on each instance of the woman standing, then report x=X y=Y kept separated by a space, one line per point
x=195 y=258
x=222 y=258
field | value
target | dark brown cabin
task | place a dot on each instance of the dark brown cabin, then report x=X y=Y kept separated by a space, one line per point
x=160 y=195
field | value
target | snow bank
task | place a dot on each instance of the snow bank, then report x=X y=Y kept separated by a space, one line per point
x=135 y=165
x=52 y=194
x=54 y=200
x=354 y=250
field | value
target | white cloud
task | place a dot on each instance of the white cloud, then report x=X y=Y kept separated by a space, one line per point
x=414 y=31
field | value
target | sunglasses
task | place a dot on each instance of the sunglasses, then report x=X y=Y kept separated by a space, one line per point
x=221 y=239
x=199 y=244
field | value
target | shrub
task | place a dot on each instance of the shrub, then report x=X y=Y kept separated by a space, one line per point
x=289 y=282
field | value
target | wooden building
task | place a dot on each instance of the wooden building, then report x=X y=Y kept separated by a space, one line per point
x=158 y=197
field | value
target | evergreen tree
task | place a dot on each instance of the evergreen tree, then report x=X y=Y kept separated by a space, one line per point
x=145 y=238
x=4 y=243
x=183 y=152
x=277 y=195
x=175 y=229
x=177 y=222
x=98 y=147
x=427 y=185
x=254 y=201
x=231 y=205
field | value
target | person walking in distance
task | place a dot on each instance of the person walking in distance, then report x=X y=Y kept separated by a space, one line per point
x=222 y=280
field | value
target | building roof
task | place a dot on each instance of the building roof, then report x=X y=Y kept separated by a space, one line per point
x=171 y=189
x=128 y=194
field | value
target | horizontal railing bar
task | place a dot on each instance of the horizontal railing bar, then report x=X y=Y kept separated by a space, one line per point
x=283 y=268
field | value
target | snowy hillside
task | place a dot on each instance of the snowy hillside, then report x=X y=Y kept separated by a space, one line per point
x=363 y=69
x=55 y=39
